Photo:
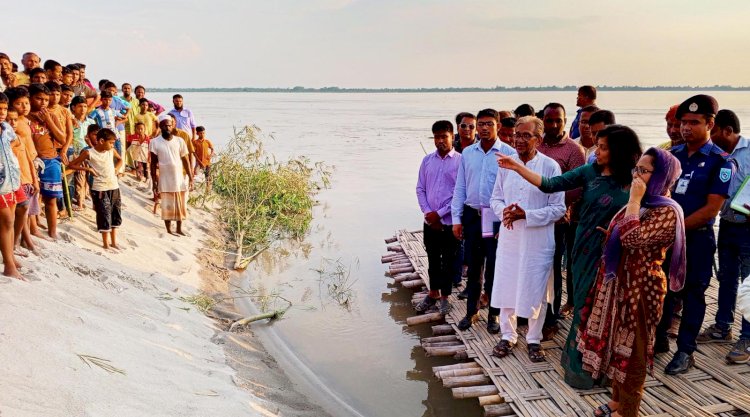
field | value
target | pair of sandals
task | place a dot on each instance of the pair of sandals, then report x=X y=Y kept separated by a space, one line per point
x=504 y=347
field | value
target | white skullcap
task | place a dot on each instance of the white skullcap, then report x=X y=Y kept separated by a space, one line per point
x=164 y=116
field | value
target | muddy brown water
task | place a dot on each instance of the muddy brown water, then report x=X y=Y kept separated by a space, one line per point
x=366 y=356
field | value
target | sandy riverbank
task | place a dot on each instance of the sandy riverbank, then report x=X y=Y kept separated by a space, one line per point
x=125 y=307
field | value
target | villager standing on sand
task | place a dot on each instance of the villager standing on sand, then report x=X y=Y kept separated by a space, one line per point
x=435 y=184
x=605 y=191
x=618 y=323
x=169 y=163
x=523 y=283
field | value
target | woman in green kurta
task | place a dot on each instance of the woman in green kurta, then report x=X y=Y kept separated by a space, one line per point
x=605 y=186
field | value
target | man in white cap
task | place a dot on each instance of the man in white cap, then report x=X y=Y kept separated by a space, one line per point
x=169 y=164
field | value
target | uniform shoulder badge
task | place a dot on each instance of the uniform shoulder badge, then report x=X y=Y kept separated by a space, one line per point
x=725 y=174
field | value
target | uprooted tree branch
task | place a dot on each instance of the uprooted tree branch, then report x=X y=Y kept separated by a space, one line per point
x=261 y=199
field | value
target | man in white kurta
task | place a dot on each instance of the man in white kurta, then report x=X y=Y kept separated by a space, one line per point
x=526 y=244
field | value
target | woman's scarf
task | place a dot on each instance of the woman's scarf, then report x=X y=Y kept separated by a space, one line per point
x=666 y=171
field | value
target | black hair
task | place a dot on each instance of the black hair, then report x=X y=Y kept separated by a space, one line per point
x=109 y=84
x=16 y=92
x=140 y=123
x=727 y=118
x=590 y=109
x=143 y=100
x=203 y=129
x=176 y=96
x=102 y=82
x=51 y=64
x=36 y=71
x=14 y=66
x=508 y=122
x=37 y=88
x=77 y=100
x=488 y=113
x=80 y=66
x=65 y=87
x=73 y=67
x=440 y=126
x=460 y=116
x=106 y=134
x=3 y=55
x=105 y=94
x=128 y=84
x=52 y=86
x=93 y=128
x=624 y=151
x=66 y=70
x=140 y=86
x=553 y=106
x=602 y=116
x=4 y=98
x=588 y=91
x=524 y=110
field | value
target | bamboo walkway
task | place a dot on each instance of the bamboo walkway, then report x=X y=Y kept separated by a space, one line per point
x=514 y=386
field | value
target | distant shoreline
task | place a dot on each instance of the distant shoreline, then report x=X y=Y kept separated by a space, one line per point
x=438 y=90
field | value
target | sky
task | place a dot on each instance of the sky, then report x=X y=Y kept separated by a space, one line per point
x=390 y=43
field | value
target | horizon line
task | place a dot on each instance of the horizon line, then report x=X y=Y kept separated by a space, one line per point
x=301 y=89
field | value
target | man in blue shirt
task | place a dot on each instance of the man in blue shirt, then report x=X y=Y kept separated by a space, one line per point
x=586 y=97
x=734 y=241
x=471 y=200
x=701 y=190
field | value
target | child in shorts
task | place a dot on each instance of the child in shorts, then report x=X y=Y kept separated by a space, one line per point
x=138 y=150
x=29 y=184
x=103 y=161
x=10 y=192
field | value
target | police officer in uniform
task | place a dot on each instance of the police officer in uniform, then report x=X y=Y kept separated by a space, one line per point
x=701 y=191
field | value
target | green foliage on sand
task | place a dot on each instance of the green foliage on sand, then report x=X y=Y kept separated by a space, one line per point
x=261 y=199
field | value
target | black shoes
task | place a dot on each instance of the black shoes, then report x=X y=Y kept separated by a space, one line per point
x=467 y=321
x=493 y=324
x=680 y=363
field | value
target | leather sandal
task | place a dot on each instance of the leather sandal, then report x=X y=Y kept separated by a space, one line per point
x=503 y=348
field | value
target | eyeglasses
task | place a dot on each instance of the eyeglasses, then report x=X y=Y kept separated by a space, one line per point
x=640 y=171
x=523 y=136
x=488 y=124
x=466 y=126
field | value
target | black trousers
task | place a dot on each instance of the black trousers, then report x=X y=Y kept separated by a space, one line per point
x=441 y=247
x=700 y=247
x=561 y=235
x=479 y=251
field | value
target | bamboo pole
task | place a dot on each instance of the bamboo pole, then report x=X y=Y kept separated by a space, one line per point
x=444 y=350
x=474 y=392
x=459 y=372
x=466 y=381
x=390 y=240
x=436 y=339
x=405 y=277
x=395 y=248
x=456 y=366
x=401 y=270
x=490 y=400
x=414 y=283
x=498 y=410
x=442 y=329
x=461 y=355
x=442 y=344
x=424 y=318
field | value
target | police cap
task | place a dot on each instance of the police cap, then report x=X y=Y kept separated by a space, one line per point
x=700 y=104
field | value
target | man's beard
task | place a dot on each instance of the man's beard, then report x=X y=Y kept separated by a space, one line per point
x=166 y=134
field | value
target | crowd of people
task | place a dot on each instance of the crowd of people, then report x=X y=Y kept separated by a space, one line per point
x=513 y=199
x=64 y=142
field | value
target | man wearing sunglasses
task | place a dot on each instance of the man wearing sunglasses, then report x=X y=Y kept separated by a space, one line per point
x=467 y=131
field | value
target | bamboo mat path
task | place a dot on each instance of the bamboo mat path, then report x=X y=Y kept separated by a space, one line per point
x=515 y=386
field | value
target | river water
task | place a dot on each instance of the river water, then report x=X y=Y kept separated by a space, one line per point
x=366 y=355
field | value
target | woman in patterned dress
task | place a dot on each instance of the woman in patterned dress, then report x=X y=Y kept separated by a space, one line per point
x=605 y=185
x=618 y=322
